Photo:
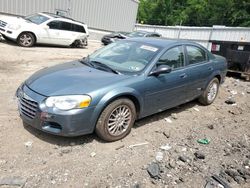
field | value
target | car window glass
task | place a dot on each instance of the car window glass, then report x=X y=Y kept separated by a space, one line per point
x=66 y=26
x=37 y=18
x=195 y=54
x=174 y=58
x=126 y=56
x=155 y=35
x=54 y=25
x=78 y=28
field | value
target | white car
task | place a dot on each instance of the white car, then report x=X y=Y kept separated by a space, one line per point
x=44 y=28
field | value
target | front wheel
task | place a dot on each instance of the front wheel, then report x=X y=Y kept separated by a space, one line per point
x=116 y=120
x=26 y=39
x=210 y=92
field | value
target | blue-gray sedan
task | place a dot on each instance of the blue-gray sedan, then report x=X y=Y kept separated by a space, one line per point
x=118 y=84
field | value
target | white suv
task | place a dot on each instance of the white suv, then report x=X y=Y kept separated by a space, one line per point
x=44 y=28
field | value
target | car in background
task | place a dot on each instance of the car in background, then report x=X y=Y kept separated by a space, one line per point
x=107 y=39
x=44 y=28
x=118 y=84
x=144 y=34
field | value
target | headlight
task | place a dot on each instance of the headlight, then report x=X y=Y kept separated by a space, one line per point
x=68 y=102
x=14 y=27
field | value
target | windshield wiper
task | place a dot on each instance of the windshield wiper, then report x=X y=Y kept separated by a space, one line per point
x=87 y=62
x=104 y=66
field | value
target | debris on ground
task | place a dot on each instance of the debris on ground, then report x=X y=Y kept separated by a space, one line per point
x=211 y=126
x=154 y=170
x=140 y=144
x=174 y=116
x=92 y=154
x=184 y=158
x=199 y=155
x=230 y=101
x=168 y=120
x=165 y=147
x=167 y=135
x=13 y=181
x=28 y=144
x=159 y=156
x=203 y=141
x=120 y=147
x=196 y=109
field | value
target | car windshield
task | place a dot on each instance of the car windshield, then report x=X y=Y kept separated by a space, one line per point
x=125 y=56
x=36 y=18
x=136 y=34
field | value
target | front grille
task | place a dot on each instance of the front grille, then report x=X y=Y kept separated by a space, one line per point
x=28 y=106
x=2 y=23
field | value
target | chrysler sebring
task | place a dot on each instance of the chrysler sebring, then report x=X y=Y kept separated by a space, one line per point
x=127 y=80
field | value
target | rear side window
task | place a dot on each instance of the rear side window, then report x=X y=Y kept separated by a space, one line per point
x=173 y=57
x=66 y=26
x=196 y=54
x=78 y=28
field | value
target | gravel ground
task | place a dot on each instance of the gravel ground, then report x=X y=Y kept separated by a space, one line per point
x=167 y=154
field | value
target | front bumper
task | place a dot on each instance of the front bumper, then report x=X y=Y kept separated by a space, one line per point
x=9 y=33
x=64 y=123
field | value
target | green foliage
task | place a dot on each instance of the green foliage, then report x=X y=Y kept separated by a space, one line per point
x=195 y=12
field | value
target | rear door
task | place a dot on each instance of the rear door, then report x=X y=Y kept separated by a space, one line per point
x=59 y=32
x=167 y=90
x=199 y=68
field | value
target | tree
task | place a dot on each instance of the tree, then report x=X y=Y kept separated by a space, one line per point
x=195 y=12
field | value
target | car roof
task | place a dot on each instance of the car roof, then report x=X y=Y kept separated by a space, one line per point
x=52 y=15
x=161 y=42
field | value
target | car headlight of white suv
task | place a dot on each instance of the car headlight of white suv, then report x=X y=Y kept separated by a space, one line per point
x=14 y=27
x=68 y=102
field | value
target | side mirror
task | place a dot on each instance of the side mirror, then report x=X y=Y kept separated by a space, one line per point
x=161 y=69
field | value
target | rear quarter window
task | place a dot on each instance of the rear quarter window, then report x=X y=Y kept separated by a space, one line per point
x=196 y=55
x=78 y=28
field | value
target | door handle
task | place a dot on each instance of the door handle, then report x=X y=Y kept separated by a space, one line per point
x=184 y=75
x=210 y=68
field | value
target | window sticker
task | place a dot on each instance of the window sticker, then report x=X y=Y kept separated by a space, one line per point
x=149 y=48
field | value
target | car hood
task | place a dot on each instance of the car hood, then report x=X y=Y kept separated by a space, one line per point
x=13 y=20
x=71 y=78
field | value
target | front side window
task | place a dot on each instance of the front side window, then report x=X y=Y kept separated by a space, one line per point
x=174 y=58
x=54 y=25
x=37 y=18
x=195 y=55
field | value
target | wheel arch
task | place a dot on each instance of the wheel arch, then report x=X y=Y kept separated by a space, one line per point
x=218 y=76
x=113 y=95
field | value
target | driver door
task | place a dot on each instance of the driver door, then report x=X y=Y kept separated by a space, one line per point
x=167 y=90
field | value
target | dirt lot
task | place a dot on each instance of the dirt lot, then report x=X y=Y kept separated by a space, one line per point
x=31 y=158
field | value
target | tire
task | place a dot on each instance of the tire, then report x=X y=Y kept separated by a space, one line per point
x=210 y=93
x=26 y=39
x=116 y=120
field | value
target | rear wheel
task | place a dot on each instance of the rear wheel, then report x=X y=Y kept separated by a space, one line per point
x=210 y=92
x=116 y=120
x=26 y=39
